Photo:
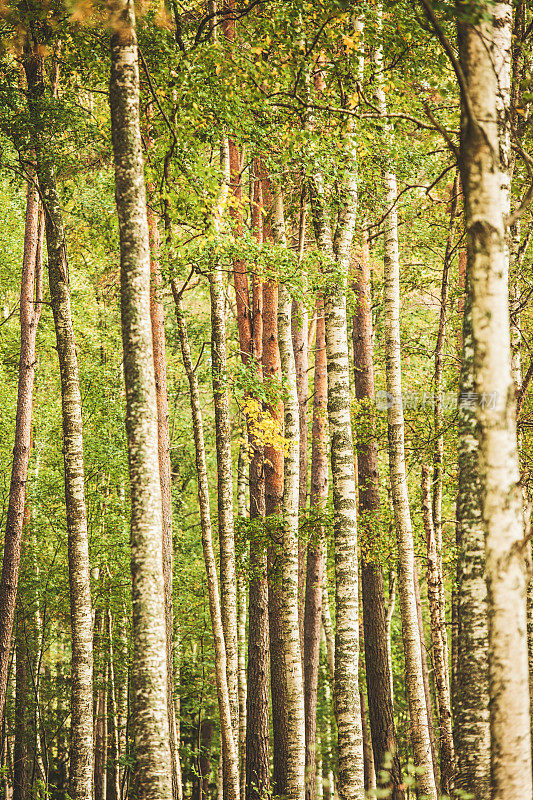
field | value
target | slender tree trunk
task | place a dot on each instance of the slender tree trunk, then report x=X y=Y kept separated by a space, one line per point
x=114 y=715
x=295 y=787
x=368 y=755
x=100 y=738
x=438 y=453
x=299 y=324
x=257 y=711
x=328 y=627
x=228 y=580
x=486 y=202
x=315 y=554
x=157 y=318
x=471 y=684
x=440 y=661
x=273 y=469
x=346 y=687
x=20 y=749
x=81 y=734
x=149 y=678
x=229 y=749
x=378 y=677
x=425 y=676
x=420 y=735
x=30 y=309
x=241 y=622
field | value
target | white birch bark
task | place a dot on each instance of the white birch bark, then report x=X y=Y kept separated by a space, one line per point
x=487 y=271
x=219 y=371
x=411 y=638
x=346 y=687
x=149 y=665
x=229 y=749
x=289 y=569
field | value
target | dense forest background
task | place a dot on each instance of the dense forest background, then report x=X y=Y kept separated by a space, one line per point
x=342 y=115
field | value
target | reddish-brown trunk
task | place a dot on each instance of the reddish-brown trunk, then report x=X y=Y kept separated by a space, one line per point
x=378 y=677
x=315 y=552
x=30 y=308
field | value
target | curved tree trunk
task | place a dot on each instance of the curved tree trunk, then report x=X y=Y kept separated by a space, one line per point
x=149 y=665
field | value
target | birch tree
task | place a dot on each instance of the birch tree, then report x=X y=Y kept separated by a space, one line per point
x=487 y=279
x=149 y=667
x=295 y=788
x=418 y=712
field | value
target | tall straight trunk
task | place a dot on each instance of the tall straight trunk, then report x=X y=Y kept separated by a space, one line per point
x=257 y=706
x=315 y=554
x=22 y=732
x=378 y=677
x=346 y=685
x=425 y=675
x=471 y=684
x=301 y=361
x=81 y=727
x=418 y=711
x=295 y=787
x=149 y=665
x=114 y=786
x=157 y=318
x=30 y=310
x=440 y=661
x=229 y=749
x=219 y=373
x=368 y=755
x=241 y=621
x=100 y=738
x=438 y=452
x=300 y=333
x=486 y=202
x=273 y=470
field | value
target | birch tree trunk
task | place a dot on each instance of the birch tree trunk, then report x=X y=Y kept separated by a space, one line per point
x=149 y=666
x=346 y=686
x=315 y=554
x=295 y=787
x=81 y=733
x=378 y=674
x=418 y=712
x=471 y=686
x=219 y=372
x=273 y=469
x=229 y=749
x=483 y=179
x=257 y=702
x=30 y=310
x=440 y=661
x=157 y=317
